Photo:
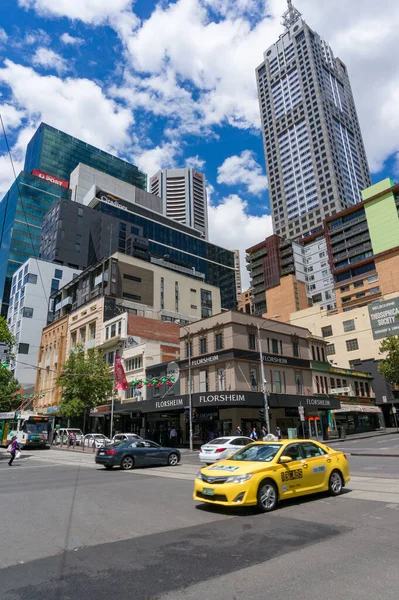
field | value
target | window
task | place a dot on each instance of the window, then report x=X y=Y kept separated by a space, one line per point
x=318 y=353
x=298 y=382
x=253 y=376
x=310 y=450
x=294 y=451
x=203 y=346
x=251 y=341
x=133 y=363
x=374 y=290
x=372 y=279
x=313 y=353
x=119 y=327
x=162 y=293
x=326 y=331
x=27 y=312
x=221 y=380
x=203 y=381
x=73 y=339
x=218 y=342
x=131 y=296
x=83 y=335
x=23 y=349
x=330 y=349
x=176 y=296
x=274 y=346
x=358 y=284
x=32 y=278
x=55 y=284
x=131 y=278
x=277 y=382
x=113 y=330
x=78 y=239
x=352 y=345
x=295 y=349
x=110 y=358
x=349 y=325
x=92 y=329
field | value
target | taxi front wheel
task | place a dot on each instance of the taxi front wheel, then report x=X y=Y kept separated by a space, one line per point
x=267 y=496
x=336 y=483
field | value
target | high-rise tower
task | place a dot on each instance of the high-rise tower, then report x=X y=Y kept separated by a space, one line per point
x=183 y=193
x=315 y=156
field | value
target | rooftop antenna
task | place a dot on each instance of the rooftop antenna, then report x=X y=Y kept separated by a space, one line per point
x=290 y=16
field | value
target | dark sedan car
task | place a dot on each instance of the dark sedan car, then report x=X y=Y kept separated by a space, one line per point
x=137 y=453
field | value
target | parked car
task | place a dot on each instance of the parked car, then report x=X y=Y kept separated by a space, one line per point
x=96 y=439
x=63 y=434
x=138 y=453
x=221 y=448
x=125 y=437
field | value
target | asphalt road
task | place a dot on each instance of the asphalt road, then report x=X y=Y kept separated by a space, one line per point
x=72 y=530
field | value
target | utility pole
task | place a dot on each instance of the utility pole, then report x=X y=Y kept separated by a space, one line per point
x=190 y=400
x=262 y=370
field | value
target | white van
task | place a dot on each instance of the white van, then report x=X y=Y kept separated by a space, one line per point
x=63 y=434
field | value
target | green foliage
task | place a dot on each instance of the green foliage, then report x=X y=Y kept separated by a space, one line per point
x=8 y=384
x=86 y=382
x=389 y=367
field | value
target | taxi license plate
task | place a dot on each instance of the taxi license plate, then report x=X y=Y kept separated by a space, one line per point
x=208 y=492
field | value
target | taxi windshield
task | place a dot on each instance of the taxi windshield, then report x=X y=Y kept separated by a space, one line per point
x=257 y=452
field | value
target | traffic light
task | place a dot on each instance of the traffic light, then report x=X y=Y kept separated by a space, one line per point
x=195 y=414
x=262 y=414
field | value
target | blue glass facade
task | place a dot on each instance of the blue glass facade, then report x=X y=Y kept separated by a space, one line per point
x=21 y=214
x=58 y=154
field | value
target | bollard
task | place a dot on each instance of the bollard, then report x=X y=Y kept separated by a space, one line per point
x=74 y=442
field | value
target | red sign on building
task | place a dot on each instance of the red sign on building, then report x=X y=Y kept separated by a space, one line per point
x=51 y=178
x=120 y=377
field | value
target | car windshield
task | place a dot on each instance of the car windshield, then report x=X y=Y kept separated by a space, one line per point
x=257 y=452
x=35 y=427
x=76 y=431
x=218 y=442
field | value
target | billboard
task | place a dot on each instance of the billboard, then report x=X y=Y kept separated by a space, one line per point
x=384 y=318
x=51 y=178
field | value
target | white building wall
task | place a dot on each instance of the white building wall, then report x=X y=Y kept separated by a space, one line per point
x=28 y=312
x=319 y=280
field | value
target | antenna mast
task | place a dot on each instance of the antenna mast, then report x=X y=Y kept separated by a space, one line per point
x=291 y=16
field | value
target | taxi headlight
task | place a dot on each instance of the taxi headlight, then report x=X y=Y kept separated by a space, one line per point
x=199 y=476
x=239 y=478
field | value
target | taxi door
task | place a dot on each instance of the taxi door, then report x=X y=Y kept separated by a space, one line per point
x=315 y=466
x=291 y=474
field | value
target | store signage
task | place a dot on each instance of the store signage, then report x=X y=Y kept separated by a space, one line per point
x=287 y=400
x=204 y=361
x=50 y=178
x=341 y=390
x=112 y=202
x=169 y=403
x=7 y=415
x=323 y=402
x=198 y=175
x=337 y=371
x=384 y=318
x=291 y=412
x=234 y=398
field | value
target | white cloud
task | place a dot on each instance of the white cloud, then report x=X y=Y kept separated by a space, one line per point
x=12 y=117
x=160 y=157
x=232 y=227
x=88 y=11
x=48 y=59
x=243 y=170
x=3 y=35
x=77 y=106
x=196 y=162
x=70 y=40
x=37 y=36
x=237 y=8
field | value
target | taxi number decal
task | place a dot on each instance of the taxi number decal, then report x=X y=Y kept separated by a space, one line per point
x=288 y=475
x=321 y=469
x=223 y=468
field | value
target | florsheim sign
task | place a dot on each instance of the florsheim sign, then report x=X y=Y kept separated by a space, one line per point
x=384 y=318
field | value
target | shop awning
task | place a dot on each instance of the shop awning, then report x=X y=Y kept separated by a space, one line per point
x=363 y=408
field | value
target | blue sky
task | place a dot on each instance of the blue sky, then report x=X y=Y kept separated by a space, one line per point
x=171 y=83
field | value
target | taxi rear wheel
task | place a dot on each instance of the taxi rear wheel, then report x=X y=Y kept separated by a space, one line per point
x=336 y=483
x=267 y=496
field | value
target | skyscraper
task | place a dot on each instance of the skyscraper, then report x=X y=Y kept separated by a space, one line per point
x=183 y=192
x=237 y=268
x=315 y=156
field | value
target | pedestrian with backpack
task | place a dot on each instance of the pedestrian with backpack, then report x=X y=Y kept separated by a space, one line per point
x=254 y=435
x=13 y=448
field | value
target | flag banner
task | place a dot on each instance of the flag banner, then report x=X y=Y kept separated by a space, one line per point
x=120 y=377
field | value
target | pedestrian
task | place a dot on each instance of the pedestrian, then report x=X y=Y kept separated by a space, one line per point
x=210 y=436
x=173 y=437
x=254 y=435
x=71 y=438
x=278 y=433
x=238 y=432
x=263 y=432
x=13 y=448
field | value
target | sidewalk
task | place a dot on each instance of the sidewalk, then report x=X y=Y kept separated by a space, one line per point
x=365 y=436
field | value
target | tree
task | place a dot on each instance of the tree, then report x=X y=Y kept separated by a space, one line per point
x=85 y=382
x=389 y=366
x=8 y=384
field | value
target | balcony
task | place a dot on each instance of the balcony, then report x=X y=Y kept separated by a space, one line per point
x=100 y=278
x=66 y=302
x=351 y=253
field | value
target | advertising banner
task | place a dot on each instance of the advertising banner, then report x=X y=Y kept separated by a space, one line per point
x=120 y=377
x=50 y=178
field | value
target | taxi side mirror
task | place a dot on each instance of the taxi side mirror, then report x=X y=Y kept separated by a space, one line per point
x=285 y=459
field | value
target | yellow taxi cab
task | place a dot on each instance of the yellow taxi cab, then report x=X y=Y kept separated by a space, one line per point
x=265 y=473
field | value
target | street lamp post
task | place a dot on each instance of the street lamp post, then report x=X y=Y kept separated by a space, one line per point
x=190 y=400
x=262 y=369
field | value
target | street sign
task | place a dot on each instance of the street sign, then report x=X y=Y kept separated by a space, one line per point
x=301 y=411
x=384 y=399
x=341 y=390
x=394 y=410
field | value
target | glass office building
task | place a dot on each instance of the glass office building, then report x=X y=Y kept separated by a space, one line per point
x=21 y=214
x=58 y=154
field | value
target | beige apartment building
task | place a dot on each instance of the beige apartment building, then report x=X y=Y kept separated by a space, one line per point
x=52 y=353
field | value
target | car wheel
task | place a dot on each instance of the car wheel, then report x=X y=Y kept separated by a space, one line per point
x=127 y=463
x=109 y=467
x=336 y=483
x=267 y=496
x=173 y=459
